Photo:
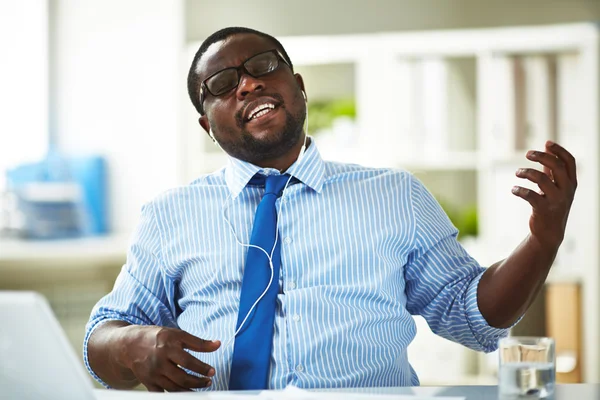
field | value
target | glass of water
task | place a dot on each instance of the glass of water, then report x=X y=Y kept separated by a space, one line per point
x=527 y=367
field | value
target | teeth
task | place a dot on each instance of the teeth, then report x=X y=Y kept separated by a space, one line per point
x=261 y=110
x=260 y=114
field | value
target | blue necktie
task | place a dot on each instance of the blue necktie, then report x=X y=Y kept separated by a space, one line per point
x=252 y=348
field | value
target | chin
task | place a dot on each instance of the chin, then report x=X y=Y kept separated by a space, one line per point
x=272 y=132
x=272 y=137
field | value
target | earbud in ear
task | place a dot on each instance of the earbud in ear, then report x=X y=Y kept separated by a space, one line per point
x=304 y=95
x=302 y=150
x=211 y=135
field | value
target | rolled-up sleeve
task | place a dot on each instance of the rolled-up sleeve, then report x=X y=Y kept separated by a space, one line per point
x=442 y=278
x=142 y=294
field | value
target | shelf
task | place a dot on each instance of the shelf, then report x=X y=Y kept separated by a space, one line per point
x=319 y=50
x=67 y=253
x=560 y=276
x=453 y=160
x=449 y=161
x=489 y=95
x=563 y=270
x=518 y=157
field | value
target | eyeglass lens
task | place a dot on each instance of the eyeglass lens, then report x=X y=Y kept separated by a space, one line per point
x=256 y=66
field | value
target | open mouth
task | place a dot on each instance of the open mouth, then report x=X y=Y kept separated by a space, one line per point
x=260 y=110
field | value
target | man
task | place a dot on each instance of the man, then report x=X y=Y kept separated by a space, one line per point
x=233 y=285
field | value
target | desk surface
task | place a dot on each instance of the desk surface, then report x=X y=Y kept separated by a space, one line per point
x=563 y=392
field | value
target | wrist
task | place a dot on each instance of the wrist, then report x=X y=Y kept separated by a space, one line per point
x=542 y=248
x=121 y=341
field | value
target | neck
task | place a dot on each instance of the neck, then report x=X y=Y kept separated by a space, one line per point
x=283 y=163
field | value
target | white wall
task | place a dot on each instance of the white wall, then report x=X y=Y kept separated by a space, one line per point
x=117 y=90
x=23 y=82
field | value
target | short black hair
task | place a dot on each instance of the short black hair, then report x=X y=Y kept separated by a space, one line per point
x=193 y=83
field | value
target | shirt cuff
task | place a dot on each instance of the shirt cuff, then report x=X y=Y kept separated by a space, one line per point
x=90 y=330
x=486 y=335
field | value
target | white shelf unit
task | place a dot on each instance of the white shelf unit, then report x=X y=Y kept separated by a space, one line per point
x=471 y=102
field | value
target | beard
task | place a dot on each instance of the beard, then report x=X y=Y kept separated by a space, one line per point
x=245 y=146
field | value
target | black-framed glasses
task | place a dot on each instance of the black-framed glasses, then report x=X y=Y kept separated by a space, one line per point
x=227 y=79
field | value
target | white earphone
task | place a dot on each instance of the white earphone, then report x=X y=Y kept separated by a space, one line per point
x=214 y=139
x=268 y=254
x=269 y=257
x=303 y=149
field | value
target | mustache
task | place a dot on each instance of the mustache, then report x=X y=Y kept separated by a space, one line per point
x=239 y=117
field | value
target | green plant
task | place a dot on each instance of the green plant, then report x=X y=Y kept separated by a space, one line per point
x=469 y=221
x=322 y=113
x=464 y=219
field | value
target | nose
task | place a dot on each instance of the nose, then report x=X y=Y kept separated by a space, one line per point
x=247 y=85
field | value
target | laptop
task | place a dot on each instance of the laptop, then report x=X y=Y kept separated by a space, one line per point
x=38 y=362
x=36 y=359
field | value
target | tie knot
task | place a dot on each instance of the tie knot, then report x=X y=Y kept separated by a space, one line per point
x=273 y=184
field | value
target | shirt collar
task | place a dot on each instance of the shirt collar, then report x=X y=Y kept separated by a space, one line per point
x=310 y=170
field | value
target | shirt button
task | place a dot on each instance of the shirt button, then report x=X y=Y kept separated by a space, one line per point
x=299 y=368
x=296 y=317
x=292 y=285
x=287 y=240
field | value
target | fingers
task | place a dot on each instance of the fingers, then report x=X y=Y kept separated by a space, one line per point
x=566 y=157
x=195 y=343
x=163 y=361
x=556 y=165
x=547 y=170
x=177 y=380
x=154 y=388
x=185 y=380
x=167 y=384
x=528 y=195
x=542 y=180
x=191 y=363
x=173 y=378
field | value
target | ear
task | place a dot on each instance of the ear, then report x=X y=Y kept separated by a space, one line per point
x=300 y=82
x=203 y=120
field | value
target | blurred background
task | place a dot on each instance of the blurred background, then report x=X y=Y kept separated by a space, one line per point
x=95 y=121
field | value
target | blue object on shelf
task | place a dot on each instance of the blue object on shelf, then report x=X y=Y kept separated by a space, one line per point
x=62 y=197
x=91 y=174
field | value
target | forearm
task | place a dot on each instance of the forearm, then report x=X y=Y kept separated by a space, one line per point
x=105 y=349
x=508 y=287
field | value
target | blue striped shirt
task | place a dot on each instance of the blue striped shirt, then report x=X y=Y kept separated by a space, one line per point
x=363 y=250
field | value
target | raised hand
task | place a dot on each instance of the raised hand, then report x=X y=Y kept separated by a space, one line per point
x=552 y=204
x=155 y=354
